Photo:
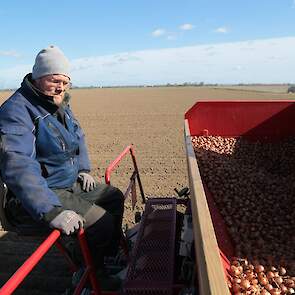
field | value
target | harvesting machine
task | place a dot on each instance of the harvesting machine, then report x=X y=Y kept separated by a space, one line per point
x=182 y=244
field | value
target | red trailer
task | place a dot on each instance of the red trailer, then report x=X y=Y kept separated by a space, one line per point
x=264 y=121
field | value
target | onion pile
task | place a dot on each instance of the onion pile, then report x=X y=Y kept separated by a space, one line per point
x=247 y=278
x=253 y=185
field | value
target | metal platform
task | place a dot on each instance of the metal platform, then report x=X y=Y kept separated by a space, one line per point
x=151 y=270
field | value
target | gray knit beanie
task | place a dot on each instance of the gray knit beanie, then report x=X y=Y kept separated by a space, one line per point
x=49 y=61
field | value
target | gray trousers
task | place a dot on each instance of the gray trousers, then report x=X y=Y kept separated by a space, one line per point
x=104 y=230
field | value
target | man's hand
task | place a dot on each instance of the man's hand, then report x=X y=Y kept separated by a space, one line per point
x=88 y=182
x=67 y=221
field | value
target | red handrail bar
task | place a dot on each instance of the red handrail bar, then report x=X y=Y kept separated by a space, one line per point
x=88 y=262
x=82 y=282
x=23 y=271
x=72 y=266
x=115 y=163
x=29 y=264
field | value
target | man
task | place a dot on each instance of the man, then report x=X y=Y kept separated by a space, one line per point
x=45 y=165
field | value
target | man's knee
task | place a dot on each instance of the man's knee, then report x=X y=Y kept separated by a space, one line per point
x=118 y=200
x=102 y=231
x=109 y=195
x=115 y=193
x=94 y=214
x=119 y=195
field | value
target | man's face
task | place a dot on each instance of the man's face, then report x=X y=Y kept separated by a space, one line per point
x=54 y=85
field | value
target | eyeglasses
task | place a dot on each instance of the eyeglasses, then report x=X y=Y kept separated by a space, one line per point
x=57 y=82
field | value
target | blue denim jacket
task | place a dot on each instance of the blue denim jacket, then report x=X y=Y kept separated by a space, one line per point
x=38 y=153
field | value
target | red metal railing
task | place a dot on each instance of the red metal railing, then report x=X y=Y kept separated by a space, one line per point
x=90 y=270
x=131 y=187
x=135 y=175
x=29 y=264
x=15 y=280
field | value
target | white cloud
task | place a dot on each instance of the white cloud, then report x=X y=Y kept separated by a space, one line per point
x=222 y=30
x=158 y=32
x=11 y=53
x=255 y=61
x=268 y=61
x=186 y=27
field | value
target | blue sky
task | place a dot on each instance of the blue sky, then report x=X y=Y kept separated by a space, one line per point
x=152 y=42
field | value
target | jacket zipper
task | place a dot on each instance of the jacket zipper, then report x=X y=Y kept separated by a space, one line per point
x=60 y=137
x=63 y=145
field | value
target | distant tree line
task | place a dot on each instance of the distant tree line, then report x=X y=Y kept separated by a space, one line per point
x=185 y=84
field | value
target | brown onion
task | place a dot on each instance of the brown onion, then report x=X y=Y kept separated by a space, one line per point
x=245 y=284
x=282 y=271
x=259 y=268
x=235 y=271
x=284 y=289
x=268 y=287
x=289 y=283
x=270 y=275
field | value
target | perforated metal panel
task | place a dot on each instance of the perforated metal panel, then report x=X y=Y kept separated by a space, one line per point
x=151 y=269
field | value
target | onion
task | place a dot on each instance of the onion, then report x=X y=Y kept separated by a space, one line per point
x=282 y=271
x=270 y=275
x=284 y=289
x=259 y=268
x=237 y=280
x=275 y=291
x=278 y=280
x=235 y=271
x=263 y=280
x=289 y=283
x=268 y=287
x=245 y=284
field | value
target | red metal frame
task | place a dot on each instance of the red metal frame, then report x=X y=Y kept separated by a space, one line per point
x=29 y=264
x=251 y=119
x=135 y=174
x=90 y=270
x=73 y=267
x=10 y=286
x=130 y=189
x=269 y=120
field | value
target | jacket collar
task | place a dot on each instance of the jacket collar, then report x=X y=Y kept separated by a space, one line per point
x=36 y=97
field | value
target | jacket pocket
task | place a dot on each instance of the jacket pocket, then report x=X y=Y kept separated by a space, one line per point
x=16 y=130
x=17 y=139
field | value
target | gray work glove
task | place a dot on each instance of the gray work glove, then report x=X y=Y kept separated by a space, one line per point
x=67 y=221
x=88 y=182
